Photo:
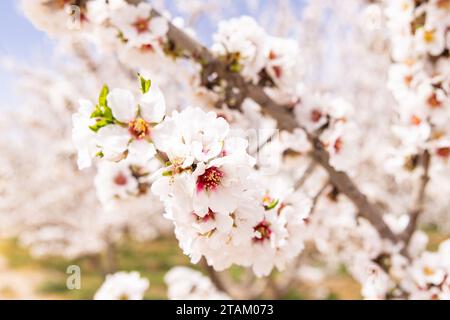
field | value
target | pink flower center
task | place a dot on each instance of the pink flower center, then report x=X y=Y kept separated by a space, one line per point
x=147 y=48
x=277 y=69
x=264 y=231
x=415 y=120
x=139 y=128
x=210 y=179
x=141 y=25
x=120 y=179
x=316 y=114
x=443 y=152
x=433 y=101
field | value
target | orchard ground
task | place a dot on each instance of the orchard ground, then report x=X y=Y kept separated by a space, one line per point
x=25 y=277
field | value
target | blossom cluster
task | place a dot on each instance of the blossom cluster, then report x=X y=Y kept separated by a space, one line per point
x=419 y=78
x=122 y=286
x=259 y=57
x=329 y=118
x=113 y=25
x=426 y=277
x=187 y=284
x=206 y=178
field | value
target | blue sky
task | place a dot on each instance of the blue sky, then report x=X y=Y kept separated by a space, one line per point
x=25 y=44
x=21 y=41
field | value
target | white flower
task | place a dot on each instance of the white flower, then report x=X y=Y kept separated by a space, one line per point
x=123 y=128
x=400 y=11
x=242 y=41
x=283 y=62
x=82 y=136
x=191 y=135
x=403 y=77
x=427 y=276
x=278 y=237
x=137 y=27
x=115 y=181
x=312 y=111
x=430 y=39
x=438 y=12
x=412 y=135
x=219 y=185
x=428 y=269
x=341 y=142
x=122 y=286
x=120 y=185
x=377 y=283
x=187 y=284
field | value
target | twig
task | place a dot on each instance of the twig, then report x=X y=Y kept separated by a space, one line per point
x=419 y=199
x=215 y=278
x=308 y=171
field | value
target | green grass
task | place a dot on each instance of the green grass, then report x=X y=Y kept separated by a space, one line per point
x=151 y=259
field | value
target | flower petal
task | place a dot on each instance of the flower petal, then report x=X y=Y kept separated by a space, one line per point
x=141 y=150
x=159 y=26
x=122 y=104
x=153 y=105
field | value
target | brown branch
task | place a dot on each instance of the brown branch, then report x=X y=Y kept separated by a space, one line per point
x=346 y=186
x=216 y=279
x=419 y=199
x=250 y=290
x=308 y=171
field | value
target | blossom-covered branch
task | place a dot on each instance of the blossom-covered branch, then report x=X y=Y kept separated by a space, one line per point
x=285 y=120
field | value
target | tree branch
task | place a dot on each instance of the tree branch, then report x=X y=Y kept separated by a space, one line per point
x=308 y=171
x=419 y=198
x=215 y=277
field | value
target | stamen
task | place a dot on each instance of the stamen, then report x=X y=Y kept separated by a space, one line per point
x=120 y=179
x=338 y=145
x=415 y=120
x=443 y=152
x=428 y=271
x=141 y=25
x=428 y=36
x=210 y=179
x=139 y=128
x=263 y=230
x=433 y=101
x=316 y=114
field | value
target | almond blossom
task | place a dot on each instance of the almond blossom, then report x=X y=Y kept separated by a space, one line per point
x=122 y=127
x=122 y=286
